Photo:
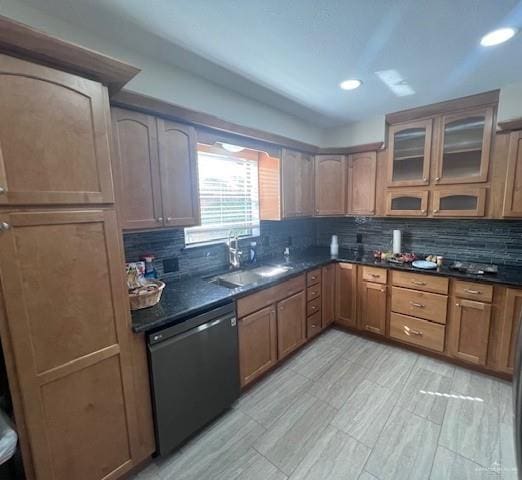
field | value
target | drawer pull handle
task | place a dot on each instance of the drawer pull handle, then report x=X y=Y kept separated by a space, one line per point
x=473 y=292
x=418 y=305
x=314 y=325
x=314 y=293
x=314 y=307
x=375 y=275
x=410 y=331
x=417 y=282
x=313 y=278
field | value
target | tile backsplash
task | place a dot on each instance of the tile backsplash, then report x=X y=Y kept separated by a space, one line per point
x=489 y=241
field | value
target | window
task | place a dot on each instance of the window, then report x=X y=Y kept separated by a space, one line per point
x=229 y=198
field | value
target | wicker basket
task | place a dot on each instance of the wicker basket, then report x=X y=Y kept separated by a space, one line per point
x=143 y=298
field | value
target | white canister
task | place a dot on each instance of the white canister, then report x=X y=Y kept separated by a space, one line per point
x=334 y=246
x=397 y=248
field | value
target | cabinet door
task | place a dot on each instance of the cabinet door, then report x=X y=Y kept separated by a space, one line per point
x=373 y=307
x=345 y=294
x=330 y=184
x=513 y=186
x=67 y=323
x=178 y=173
x=136 y=169
x=469 y=330
x=409 y=153
x=362 y=175
x=54 y=137
x=465 y=148
x=328 y=294
x=291 y=324
x=257 y=344
x=409 y=203
x=289 y=179
x=512 y=313
x=305 y=181
x=459 y=202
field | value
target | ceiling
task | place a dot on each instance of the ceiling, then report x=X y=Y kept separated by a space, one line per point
x=292 y=54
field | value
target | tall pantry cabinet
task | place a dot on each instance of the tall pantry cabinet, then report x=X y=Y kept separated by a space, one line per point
x=64 y=317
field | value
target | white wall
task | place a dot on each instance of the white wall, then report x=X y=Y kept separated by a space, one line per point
x=510 y=102
x=359 y=133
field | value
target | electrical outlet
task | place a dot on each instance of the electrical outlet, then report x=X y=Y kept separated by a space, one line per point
x=358 y=237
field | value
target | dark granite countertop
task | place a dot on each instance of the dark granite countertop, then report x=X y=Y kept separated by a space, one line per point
x=190 y=296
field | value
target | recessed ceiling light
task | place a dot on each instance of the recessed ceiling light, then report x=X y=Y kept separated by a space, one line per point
x=232 y=148
x=497 y=36
x=350 y=84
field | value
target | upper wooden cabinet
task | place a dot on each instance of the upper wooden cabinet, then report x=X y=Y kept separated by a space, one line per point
x=513 y=187
x=155 y=166
x=407 y=203
x=459 y=202
x=465 y=147
x=54 y=137
x=297 y=171
x=362 y=174
x=330 y=185
x=409 y=156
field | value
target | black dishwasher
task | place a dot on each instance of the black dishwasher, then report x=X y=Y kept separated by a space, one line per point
x=194 y=374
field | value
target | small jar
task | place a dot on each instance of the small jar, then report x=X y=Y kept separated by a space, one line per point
x=439 y=261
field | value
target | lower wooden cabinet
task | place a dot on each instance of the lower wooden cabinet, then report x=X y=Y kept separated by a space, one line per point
x=509 y=329
x=346 y=294
x=328 y=295
x=469 y=330
x=372 y=307
x=291 y=324
x=257 y=343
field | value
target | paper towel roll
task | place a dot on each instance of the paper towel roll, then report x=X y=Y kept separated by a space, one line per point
x=397 y=242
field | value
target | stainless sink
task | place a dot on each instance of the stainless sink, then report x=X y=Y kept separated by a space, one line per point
x=241 y=278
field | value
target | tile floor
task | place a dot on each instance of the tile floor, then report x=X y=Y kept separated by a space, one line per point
x=349 y=408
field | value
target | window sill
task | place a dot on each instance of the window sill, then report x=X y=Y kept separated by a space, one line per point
x=213 y=243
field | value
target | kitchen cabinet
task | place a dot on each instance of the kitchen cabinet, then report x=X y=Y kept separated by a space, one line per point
x=409 y=147
x=297 y=172
x=407 y=203
x=54 y=137
x=459 y=202
x=328 y=295
x=372 y=312
x=362 y=178
x=155 y=164
x=469 y=330
x=330 y=185
x=513 y=185
x=257 y=344
x=509 y=328
x=346 y=294
x=291 y=324
x=313 y=302
x=66 y=322
x=465 y=147
x=416 y=331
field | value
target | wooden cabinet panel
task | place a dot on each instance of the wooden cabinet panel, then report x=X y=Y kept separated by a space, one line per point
x=257 y=344
x=362 y=178
x=459 y=202
x=374 y=274
x=178 y=173
x=328 y=294
x=313 y=306
x=469 y=330
x=430 y=306
x=136 y=169
x=291 y=324
x=345 y=294
x=427 y=283
x=373 y=307
x=306 y=198
x=54 y=137
x=418 y=332
x=473 y=291
x=313 y=292
x=513 y=185
x=407 y=203
x=509 y=329
x=66 y=314
x=297 y=171
x=313 y=277
x=330 y=184
x=313 y=325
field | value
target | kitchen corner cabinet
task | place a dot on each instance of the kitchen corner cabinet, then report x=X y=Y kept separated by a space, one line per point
x=328 y=294
x=291 y=324
x=372 y=312
x=65 y=318
x=362 y=177
x=407 y=203
x=513 y=186
x=346 y=294
x=330 y=185
x=257 y=344
x=54 y=137
x=155 y=170
x=297 y=172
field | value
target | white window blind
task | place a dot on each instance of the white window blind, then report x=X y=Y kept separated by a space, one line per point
x=229 y=198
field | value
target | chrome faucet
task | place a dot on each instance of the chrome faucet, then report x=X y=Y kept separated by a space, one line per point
x=234 y=254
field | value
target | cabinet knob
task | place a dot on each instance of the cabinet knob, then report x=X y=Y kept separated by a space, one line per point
x=424 y=179
x=2 y=190
x=457 y=304
x=316 y=210
x=382 y=289
x=4 y=226
x=437 y=179
x=159 y=219
x=314 y=325
x=436 y=210
x=169 y=219
x=423 y=210
x=281 y=308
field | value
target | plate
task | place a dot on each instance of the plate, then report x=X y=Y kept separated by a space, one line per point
x=424 y=264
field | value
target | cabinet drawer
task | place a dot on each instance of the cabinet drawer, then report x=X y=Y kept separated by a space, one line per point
x=313 y=325
x=418 y=332
x=430 y=306
x=313 y=306
x=473 y=291
x=313 y=277
x=374 y=275
x=426 y=283
x=257 y=301
x=313 y=292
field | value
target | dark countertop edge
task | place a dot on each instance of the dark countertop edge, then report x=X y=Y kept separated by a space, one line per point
x=231 y=295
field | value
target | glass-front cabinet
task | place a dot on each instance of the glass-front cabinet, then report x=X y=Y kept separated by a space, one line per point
x=407 y=203
x=410 y=153
x=465 y=147
x=459 y=202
